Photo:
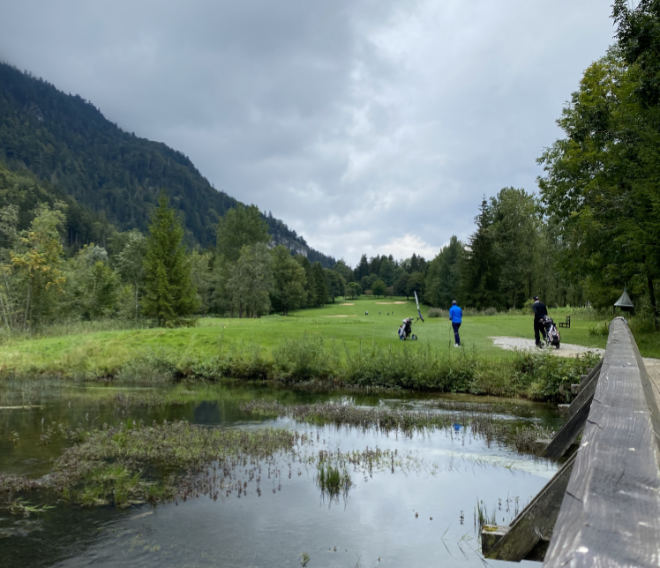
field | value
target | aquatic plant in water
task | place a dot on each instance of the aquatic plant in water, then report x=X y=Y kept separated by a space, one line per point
x=406 y=421
x=332 y=478
x=508 y=509
x=136 y=463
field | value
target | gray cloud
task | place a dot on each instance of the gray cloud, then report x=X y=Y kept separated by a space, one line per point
x=367 y=126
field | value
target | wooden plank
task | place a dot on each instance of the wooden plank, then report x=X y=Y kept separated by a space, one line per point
x=568 y=433
x=576 y=417
x=586 y=391
x=532 y=525
x=610 y=514
x=595 y=370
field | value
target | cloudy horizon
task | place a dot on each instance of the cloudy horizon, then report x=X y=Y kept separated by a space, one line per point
x=368 y=127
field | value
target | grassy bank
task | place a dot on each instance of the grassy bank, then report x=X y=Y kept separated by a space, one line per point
x=344 y=344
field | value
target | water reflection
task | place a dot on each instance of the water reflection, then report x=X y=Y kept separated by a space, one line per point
x=413 y=506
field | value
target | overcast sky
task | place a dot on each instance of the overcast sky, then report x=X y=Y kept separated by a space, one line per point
x=367 y=126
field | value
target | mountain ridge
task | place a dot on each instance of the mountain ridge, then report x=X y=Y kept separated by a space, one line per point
x=68 y=144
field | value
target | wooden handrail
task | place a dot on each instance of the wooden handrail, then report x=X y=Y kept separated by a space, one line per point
x=610 y=512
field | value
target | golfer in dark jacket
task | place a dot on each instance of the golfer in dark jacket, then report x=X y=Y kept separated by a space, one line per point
x=540 y=311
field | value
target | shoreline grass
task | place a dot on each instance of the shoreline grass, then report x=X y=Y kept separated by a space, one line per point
x=337 y=346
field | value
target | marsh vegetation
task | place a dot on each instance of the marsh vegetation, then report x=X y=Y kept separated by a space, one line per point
x=142 y=459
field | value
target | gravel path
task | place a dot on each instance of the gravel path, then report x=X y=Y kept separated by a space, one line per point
x=565 y=349
x=569 y=350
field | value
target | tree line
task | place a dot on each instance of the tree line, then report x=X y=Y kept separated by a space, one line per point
x=593 y=230
x=153 y=275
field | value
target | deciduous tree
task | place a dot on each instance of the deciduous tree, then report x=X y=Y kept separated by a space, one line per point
x=250 y=281
x=130 y=264
x=92 y=286
x=288 y=290
x=240 y=226
x=35 y=270
x=601 y=183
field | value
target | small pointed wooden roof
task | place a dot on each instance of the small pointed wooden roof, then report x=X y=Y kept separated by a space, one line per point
x=624 y=301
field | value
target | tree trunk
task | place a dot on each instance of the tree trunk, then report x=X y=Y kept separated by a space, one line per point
x=26 y=316
x=137 y=304
x=654 y=307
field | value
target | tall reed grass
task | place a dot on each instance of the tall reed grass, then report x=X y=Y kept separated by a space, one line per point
x=313 y=360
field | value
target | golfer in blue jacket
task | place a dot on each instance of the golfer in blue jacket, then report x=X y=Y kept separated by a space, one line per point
x=456 y=317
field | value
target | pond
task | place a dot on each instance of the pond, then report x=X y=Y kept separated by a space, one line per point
x=415 y=504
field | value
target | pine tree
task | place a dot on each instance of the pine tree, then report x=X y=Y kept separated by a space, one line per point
x=169 y=292
x=481 y=269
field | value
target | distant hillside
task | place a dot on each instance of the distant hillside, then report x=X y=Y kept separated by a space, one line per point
x=24 y=191
x=66 y=143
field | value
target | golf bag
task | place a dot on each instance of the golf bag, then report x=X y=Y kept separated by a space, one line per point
x=552 y=337
x=405 y=330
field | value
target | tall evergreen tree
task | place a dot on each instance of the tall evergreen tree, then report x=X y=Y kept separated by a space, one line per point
x=362 y=269
x=343 y=270
x=169 y=293
x=309 y=299
x=481 y=268
x=319 y=286
x=443 y=278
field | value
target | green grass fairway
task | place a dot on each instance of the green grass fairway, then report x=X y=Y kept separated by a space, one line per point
x=347 y=321
x=342 y=328
x=343 y=325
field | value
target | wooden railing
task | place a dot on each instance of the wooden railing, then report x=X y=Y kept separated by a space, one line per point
x=602 y=508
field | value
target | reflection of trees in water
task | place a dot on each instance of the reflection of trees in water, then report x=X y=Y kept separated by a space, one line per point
x=207 y=412
x=521 y=434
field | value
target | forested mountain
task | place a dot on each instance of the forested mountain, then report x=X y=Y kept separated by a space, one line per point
x=107 y=174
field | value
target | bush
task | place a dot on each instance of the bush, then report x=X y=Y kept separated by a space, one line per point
x=411 y=366
x=601 y=329
x=150 y=369
x=303 y=359
x=549 y=378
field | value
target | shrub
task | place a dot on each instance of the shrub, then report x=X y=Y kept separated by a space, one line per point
x=303 y=359
x=150 y=369
x=410 y=365
x=600 y=329
x=549 y=378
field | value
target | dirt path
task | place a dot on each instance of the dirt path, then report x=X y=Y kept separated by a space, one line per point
x=565 y=350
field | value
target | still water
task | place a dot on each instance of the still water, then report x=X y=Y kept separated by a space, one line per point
x=419 y=513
